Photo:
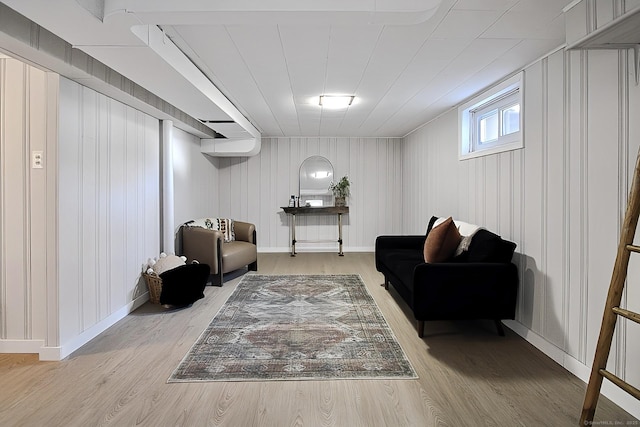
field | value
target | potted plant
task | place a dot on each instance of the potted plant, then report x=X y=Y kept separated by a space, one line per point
x=340 y=191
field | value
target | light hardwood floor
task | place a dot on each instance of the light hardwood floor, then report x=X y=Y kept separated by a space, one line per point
x=469 y=376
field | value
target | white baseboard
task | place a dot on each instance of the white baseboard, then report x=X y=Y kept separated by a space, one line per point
x=577 y=368
x=79 y=340
x=21 y=346
x=551 y=350
x=37 y=346
x=315 y=248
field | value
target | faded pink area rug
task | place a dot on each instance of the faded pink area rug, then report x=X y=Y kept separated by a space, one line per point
x=296 y=327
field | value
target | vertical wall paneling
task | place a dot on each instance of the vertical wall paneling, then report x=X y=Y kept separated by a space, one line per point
x=604 y=11
x=603 y=205
x=632 y=297
x=561 y=199
x=28 y=106
x=566 y=203
x=255 y=188
x=534 y=283
x=576 y=106
x=4 y=175
x=16 y=146
x=584 y=201
x=195 y=179
x=555 y=190
x=50 y=238
x=623 y=188
x=109 y=179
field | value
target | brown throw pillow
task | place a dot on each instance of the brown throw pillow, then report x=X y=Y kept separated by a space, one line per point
x=441 y=242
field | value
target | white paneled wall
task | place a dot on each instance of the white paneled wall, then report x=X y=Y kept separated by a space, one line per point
x=108 y=210
x=28 y=285
x=195 y=179
x=255 y=188
x=561 y=199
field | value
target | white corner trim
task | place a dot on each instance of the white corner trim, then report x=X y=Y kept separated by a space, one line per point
x=59 y=353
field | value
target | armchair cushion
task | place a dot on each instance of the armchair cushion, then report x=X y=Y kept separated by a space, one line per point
x=208 y=247
x=224 y=225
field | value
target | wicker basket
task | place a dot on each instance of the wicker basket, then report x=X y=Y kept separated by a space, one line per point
x=154 y=283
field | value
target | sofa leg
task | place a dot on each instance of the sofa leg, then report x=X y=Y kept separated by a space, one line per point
x=420 y=328
x=386 y=283
x=499 y=327
x=253 y=266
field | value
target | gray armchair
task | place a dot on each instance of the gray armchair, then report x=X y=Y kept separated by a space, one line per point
x=208 y=247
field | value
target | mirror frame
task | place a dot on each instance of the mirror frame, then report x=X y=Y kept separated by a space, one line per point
x=321 y=190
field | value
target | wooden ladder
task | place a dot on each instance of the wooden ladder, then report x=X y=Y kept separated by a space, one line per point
x=612 y=307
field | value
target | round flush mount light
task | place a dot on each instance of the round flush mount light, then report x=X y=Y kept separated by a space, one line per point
x=335 y=102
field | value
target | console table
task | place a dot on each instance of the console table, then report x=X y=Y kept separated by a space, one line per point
x=310 y=210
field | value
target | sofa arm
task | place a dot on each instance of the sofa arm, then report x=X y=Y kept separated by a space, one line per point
x=245 y=231
x=203 y=245
x=465 y=291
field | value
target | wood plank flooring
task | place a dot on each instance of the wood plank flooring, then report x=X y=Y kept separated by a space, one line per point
x=469 y=376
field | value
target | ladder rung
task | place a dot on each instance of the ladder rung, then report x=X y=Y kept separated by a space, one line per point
x=633 y=248
x=621 y=383
x=626 y=313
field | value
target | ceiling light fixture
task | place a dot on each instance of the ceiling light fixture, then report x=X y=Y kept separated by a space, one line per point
x=320 y=174
x=335 y=102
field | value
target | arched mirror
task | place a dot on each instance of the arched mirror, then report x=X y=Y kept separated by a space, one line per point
x=316 y=173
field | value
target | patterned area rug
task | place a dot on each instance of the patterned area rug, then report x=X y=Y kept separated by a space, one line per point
x=296 y=327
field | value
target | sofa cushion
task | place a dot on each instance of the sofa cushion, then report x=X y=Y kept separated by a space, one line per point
x=489 y=247
x=441 y=242
x=402 y=262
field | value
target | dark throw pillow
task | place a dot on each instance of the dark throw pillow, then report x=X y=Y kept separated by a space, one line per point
x=489 y=247
x=184 y=285
x=431 y=222
x=441 y=242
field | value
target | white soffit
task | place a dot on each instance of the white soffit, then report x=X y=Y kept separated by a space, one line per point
x=229 y=12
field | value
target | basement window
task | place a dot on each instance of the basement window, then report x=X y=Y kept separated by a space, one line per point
x=492 y=121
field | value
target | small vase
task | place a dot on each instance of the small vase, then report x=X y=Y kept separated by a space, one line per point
x=340 y=201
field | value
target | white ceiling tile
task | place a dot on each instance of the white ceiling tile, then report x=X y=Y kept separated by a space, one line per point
x=231 y=76
x=465 y=24
x=349 y=53
x=524 y=25
x=549 y=7
x=497 y=5
x=480 y=54
x=261 y=50
x=402 y=75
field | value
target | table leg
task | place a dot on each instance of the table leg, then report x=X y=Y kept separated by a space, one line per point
x=340 y=253
x=293 y=235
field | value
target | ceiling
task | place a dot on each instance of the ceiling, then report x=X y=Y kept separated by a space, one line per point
x=263 y=63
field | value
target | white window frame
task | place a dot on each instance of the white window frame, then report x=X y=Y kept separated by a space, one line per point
x=499 y=97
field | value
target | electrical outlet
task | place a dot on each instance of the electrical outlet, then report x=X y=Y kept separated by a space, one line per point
x=37 y=160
